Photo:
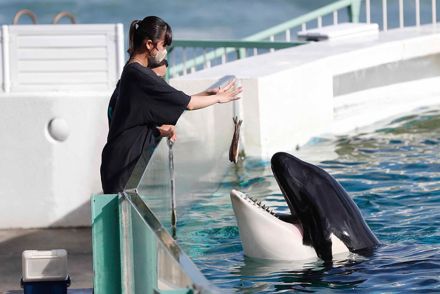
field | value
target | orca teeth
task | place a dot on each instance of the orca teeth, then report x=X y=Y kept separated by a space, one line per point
x=259 y=204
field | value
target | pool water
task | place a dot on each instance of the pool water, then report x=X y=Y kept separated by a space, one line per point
x=393 y=175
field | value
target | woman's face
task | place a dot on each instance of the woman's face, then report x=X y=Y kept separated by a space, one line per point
x=153 y=48
x=160 y=45
x=161 y=52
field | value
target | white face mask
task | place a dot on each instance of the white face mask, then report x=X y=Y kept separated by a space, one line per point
x=159 y=56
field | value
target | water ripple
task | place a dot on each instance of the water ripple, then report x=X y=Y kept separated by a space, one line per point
x=392 y=174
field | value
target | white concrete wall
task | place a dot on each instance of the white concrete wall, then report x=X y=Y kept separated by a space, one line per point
x=288 y=94
x=43 y=181
x=64 y=72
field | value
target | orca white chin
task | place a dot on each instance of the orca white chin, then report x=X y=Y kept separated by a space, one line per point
x=264 y=235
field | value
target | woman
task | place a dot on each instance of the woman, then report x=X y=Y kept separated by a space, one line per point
x=147 y=107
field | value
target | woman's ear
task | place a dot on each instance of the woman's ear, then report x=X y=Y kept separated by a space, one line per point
x=149 y=45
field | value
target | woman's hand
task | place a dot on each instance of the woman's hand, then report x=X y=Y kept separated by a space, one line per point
x=220 y=90
x=168 y=131
x=230 y=94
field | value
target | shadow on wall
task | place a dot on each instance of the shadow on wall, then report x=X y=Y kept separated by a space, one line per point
x=81 y=215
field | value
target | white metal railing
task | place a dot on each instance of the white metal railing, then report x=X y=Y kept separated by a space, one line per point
x=403 y=5
x=187 y=58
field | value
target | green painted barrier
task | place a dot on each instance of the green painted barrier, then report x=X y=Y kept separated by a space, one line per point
x=105 y=241
x=134 y=253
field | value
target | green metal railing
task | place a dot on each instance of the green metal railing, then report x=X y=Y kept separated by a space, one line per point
x=224 y=51
x=221 y=51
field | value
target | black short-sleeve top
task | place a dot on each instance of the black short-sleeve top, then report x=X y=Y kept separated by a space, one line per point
x=145 y=101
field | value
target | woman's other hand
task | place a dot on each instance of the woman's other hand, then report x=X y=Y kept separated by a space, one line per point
x=168 y=131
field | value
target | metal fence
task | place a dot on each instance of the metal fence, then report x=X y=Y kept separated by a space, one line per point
x=409 y=10
x=188 y=56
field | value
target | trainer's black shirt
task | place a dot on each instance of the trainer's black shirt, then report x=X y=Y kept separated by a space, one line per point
x=145 y=101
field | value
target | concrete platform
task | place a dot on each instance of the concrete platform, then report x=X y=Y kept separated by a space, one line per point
x=77 y=242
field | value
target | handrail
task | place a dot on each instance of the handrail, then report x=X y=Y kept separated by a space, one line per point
x=320 y=12
x=24 y=12
x=354 y=13
x=401 y=16
x=63 y=14
x=222 y=48
x=231 y=46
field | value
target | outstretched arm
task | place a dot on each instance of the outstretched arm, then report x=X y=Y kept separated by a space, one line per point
x=222 y=95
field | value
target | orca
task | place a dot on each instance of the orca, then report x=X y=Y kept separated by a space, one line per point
x=323 y=219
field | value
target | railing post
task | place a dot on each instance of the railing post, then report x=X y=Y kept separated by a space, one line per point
x=354 y=10
x=367 y=11
x=241 y=53
x=385 y=15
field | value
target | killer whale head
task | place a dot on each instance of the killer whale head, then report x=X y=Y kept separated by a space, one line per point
x=323 y=219
x=268 y=235
x=322 y=207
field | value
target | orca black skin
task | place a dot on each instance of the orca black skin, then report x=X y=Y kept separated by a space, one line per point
x=321 y=206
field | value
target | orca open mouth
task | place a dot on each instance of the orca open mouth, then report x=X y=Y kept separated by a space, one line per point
x=259 y=204
x=266 y=234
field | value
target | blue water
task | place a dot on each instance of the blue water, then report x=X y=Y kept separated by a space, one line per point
x=393 y=175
